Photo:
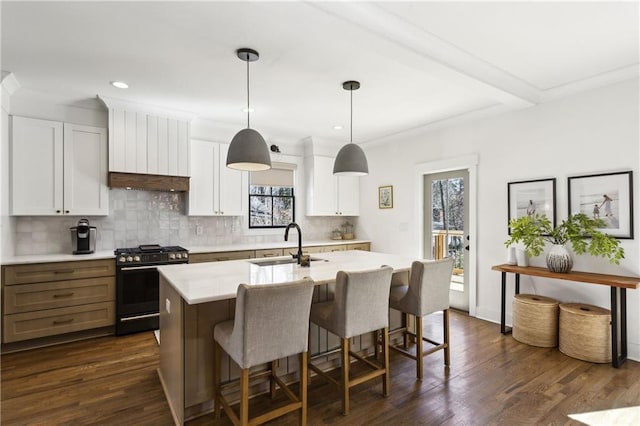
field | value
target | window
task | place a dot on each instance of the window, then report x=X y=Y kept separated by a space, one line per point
x=271 y=197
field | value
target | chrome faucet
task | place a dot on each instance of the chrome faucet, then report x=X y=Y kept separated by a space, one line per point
x=286 y=238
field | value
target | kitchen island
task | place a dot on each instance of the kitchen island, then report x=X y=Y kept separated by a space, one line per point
x=195 y=297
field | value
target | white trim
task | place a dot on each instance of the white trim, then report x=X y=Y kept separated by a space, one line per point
x=470 y=163
x=600 y=80
x=144 y=108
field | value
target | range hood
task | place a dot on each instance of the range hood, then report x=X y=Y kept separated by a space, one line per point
x=148 y=182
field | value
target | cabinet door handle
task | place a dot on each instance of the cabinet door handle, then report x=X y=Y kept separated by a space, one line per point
x=66 y=211
x=221 y=212
x=63 y=295
x=64 y=271
x=58 y=322
x=57 y=211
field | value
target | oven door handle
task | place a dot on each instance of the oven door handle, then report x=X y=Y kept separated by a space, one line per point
x=137 y=317
x=137 y=268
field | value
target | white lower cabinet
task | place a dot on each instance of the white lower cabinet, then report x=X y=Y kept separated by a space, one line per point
x=215 y=189
x=58 y=169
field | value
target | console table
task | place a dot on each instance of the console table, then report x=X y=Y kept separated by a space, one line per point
x=618 y=284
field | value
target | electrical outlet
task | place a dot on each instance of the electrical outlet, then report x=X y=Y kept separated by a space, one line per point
x=199 y=230
x=167 y=304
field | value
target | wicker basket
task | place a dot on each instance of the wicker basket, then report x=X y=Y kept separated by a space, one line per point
x=585 y=332
x=535 y=320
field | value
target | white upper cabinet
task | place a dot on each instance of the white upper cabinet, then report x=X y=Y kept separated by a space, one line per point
x=329 y=195
x=147 y=144
x=215 y=190
x=58 y=169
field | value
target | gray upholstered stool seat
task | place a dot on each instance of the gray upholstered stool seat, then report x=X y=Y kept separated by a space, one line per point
x=271 y=322
x=360 y=306
x=427 y=292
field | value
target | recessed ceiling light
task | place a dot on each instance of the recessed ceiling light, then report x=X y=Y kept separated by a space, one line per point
x=247 y=110
x=120 y=84
x=337 y=127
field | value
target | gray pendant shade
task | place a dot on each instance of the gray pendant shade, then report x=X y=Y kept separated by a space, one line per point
x=248 y=151
x=351 y=161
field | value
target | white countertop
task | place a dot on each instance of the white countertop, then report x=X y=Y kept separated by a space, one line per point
x=108 y=254
x=207 y=282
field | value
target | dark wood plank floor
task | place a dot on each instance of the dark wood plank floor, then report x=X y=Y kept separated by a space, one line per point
x=493 y=379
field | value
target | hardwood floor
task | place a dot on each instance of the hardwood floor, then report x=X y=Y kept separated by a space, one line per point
x=493 y=379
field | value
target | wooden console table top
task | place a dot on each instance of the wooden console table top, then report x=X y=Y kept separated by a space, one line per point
x=620 y=281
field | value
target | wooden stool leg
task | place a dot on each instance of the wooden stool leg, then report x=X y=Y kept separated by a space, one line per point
x=405 y=334
x=386 y=381
x=272 y=382
x=345 y=375
x=419 y=359
x=244 y=397
x=304 y=359
x=217 y=361
x=445 y=324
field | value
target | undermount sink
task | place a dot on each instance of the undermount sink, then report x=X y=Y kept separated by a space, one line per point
x=271 y=262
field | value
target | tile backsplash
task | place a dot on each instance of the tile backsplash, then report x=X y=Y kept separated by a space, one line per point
x=153 y=217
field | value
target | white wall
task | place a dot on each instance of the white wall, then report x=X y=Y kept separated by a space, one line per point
x=7 y=224
x=592 y=132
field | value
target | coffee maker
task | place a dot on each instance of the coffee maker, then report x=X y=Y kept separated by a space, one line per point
x=83 y=237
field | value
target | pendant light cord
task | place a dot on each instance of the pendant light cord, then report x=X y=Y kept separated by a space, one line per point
x=248 y=108
x=351 y=119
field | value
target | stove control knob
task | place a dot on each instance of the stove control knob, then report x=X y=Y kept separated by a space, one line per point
x=122 y=259
x=129 y=259
x=172 y=256
x=178 y=255
x=185 y=255
x=136 y=258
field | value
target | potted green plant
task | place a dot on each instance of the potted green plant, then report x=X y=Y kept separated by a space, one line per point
x=580 y=230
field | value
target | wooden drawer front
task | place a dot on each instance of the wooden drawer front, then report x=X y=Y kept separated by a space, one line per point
x=341 y=247
x=221 y=256
x=314 y=249
x=359 y=246
x=271 y=252
x=58 y=271
x=37 y=297
x=31 y=325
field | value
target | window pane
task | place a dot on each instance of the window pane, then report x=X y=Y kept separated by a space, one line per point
x=260 y=211
x=259 y=190
x=282 y=211
x=282 y=191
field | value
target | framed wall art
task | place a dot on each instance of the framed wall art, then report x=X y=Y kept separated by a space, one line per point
x=385 y=197
x=531 y=197
x=608 y=196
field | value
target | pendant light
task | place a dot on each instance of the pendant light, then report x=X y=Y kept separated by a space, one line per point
x=351 y=160
x=248 y=150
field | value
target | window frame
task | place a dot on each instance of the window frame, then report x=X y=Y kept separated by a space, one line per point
x=293 y=207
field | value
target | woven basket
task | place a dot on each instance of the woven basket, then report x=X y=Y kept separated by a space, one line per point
x=585 y=332
x=535 y=320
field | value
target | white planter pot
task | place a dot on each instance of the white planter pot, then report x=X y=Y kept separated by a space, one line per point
x=521 y=258
x=511 y=256
x=559 y=259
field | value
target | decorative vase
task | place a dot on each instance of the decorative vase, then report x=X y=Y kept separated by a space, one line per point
x=521 y=258
x=559 y=259
x=511 y=256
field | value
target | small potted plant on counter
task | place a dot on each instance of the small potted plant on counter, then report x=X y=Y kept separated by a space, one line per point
x=580 y=230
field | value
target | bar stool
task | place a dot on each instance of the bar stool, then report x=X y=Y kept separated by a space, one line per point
x=427 y=292
x=360 y=306
x=271 y=322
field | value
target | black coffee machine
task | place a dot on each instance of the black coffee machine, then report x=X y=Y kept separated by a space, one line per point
x=83 y=237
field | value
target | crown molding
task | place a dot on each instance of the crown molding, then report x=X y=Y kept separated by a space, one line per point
x=110 y=102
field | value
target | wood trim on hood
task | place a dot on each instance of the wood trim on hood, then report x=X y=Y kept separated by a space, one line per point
x=148 y=182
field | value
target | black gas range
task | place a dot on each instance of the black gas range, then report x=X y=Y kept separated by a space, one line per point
x=138 y=285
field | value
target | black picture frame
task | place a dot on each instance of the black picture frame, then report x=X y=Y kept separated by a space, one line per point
x=528 y=197
x=608 y=196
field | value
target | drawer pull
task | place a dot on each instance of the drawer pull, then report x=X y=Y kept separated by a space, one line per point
x=63 y=295
x=67 y=321
x=64 y=271
x=268 y=255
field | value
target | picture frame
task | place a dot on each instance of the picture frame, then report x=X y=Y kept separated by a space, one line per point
x=530 y=197
x=608 y=196
x=385 y=197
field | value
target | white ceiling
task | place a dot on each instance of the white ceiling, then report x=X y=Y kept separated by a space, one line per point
x=419 y=63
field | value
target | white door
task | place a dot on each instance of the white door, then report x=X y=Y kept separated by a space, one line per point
x=232 y=188
x=85 y=171
x=348 y=195
x=446 y=224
